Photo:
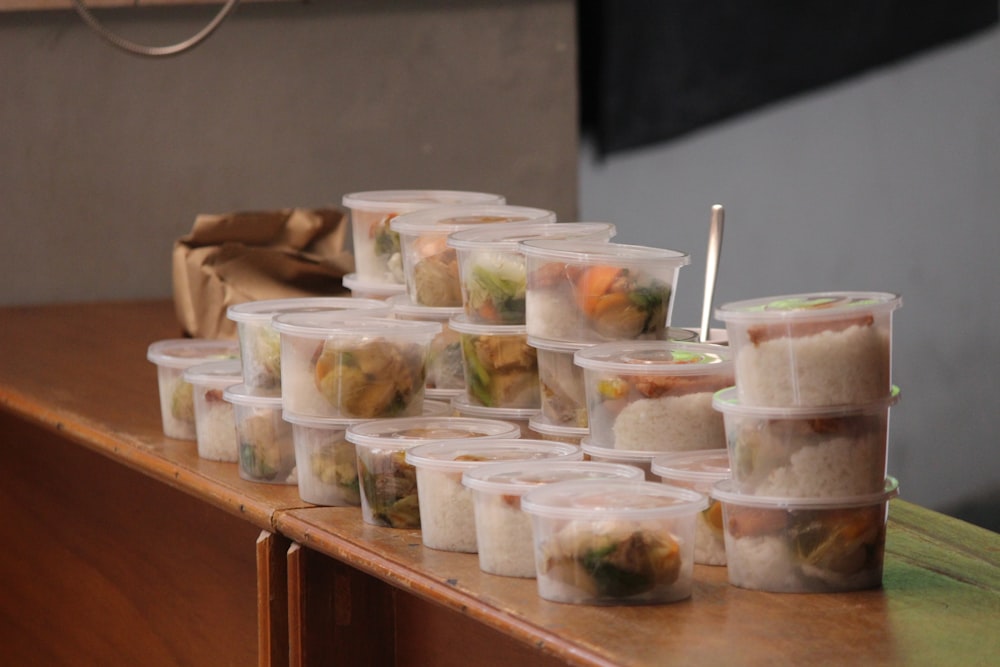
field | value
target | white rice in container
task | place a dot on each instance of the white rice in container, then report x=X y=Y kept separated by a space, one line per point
x=447 y=517
x=214 y=416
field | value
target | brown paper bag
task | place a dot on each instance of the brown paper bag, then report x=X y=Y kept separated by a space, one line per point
x=238 y=257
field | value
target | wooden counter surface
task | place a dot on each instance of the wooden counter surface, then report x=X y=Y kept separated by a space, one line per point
x=80 y=372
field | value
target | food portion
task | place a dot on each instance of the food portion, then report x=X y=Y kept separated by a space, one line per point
x=494 y=286
x=216 y=425
x=563 y=394
x=501 y=371
x=503 y=536
x=266 y=450
x=709 y=536
x=371 y=378
x=609 y=563
x=388 y=488
x=376 y=247
x=260 y=347
x=805 y=550
x=327 y=466
x=595 y=303
x=445 y=368
x=434 y=277
x=176 y=404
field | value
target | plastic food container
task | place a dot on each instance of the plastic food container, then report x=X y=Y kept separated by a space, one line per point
x=376 y=247
x=361 y=289
x=353 y=368
x=563 y=396
x=503 y=531
x=491 y=266
x=805 y=545
x=327 y=462
x=266 y=449
x=700 y=471
x=447 y=517
x=172 y=356
x=616 y=542
x=430 y=267
x=546 y=430
x=827 y=348
x=260 y=344
x=590 y=292
x=444 y=359
x=501 y=369
x=388 y=483
x=642 y=459
x=520 y=417
x=655 y=395
x=215 y=421
x=826 y=452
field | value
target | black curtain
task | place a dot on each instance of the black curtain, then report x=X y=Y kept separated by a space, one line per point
x=653 y=70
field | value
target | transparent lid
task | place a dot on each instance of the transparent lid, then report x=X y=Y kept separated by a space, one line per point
x=815 y=306
x=400 y=201
x=552 y=345
x=726 y=492
x=240 y=394
x=702 y=465
x=638 y=456
x=610 y=499
x=727 y=401
x=409 y=431
x=401 y=304
x=462 y=324
x=448 y=219
x=655 y=357
x=540 y=424
x=263 y=310
x=575 y=250
x=330 y=324
x=508 y=237
x=462 y=404
x=215 y=373
x=186 y=352
x=518 y=477
x=467 y=453
x=354 y=283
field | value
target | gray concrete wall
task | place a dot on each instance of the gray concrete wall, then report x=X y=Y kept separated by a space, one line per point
x=889 y=182
x=107 y=158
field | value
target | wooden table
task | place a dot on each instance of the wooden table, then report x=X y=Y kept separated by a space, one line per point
x=123 y=547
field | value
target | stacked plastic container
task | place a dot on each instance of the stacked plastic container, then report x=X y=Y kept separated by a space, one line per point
x=807 y=426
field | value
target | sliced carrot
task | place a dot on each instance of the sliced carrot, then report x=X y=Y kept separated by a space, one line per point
x=593 y=284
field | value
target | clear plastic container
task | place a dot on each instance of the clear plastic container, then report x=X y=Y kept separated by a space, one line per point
x=501 y=369
x=825 y=348
x=503 y=531
x=590 y=292
x=826 y=452
x=563 y=397
x=361 y=289
x=447 y=517
x=805 y=545
x=388 y=483
x=172 y=356
x=353 y=368
x=491 y=267
x=639 y=458
x=542 y=428
x=215 y=421
x=445 y=368
x=377 y=254
x=655 y=395
x=260 y=344
x=264 y=438
x=430 y=267
x=613 y=542
x=520 y=417
x=699 y=471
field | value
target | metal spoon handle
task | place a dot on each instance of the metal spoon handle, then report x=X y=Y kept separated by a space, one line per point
x=711 y=266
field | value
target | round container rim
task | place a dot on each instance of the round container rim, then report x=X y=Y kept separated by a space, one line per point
x=264 y=310
x=461 y=324
x=727 y=401
x=431 y=220
x=241 y=394
x=721 y=358
x=724 y=492
x=590 y=251
x=357 y=433
x=402 y=304
x=688 y=501
x=425 y=454
x=751 y=310
x=390 y=201
x=354 y=282
x=664 y=465
x=512 y=233
x=158 y=354
x=461 y=403
x=215 y=372
x=539 y=422
x=353 y=325
x=482 y=478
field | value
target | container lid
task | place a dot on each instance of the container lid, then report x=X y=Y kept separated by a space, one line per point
x=612 y=499
x=655 y=357
x=518 y=477
x=263 y=310
x=636 y=455
x=354 y=283
x=540 y=424
x=462 y=404
x=443 y=394
x=409 y=431
x=448 y=219
x=466 y=453
x=185 y=352
x=727 y=401
x=329 y=324
x=462 y=324
x=401 y=304
x=240 y=394
x=701 y=465
x=815 y=306
x=216 y=373
x=726 y=492
x=553 y=345
x=400 y=201
x=575 y=250
x=507 y=237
